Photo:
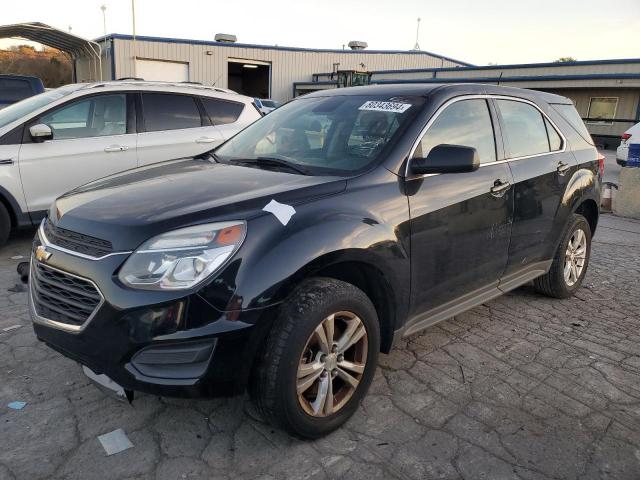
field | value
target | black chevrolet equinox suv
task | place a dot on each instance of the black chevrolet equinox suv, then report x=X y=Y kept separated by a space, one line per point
x=287 y=258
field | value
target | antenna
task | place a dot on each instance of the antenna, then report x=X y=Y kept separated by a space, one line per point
x=417 y=46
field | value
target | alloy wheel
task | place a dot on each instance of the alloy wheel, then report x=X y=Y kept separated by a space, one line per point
x=332 y=364
x=575 y=257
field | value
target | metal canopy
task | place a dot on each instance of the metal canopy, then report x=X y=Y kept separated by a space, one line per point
x=74 y=45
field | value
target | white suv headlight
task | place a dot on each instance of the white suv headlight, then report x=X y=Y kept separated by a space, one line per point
x=182 y=258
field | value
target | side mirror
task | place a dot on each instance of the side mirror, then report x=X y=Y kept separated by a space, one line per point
x=40 y=132
x=447 y=159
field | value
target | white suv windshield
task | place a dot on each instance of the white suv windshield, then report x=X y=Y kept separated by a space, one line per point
x=24 y=107
x=333 y=135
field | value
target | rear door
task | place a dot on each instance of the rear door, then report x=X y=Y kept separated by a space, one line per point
x=460 y=222
x=173 y=126
x=90 y=141
x=541 y=169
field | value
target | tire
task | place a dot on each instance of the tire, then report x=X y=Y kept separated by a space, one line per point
x=5 y=225
x=293 y=343
x=554 y=283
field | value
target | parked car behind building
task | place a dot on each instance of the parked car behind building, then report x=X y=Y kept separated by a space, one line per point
x=63 y=138
x=14 y=88
x=289 y=270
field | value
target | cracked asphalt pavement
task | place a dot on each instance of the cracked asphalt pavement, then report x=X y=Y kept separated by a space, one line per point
x=523 y=387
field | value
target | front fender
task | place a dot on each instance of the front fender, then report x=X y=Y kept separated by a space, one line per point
x=276 y=257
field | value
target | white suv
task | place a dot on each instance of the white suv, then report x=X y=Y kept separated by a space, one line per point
x=63 y=138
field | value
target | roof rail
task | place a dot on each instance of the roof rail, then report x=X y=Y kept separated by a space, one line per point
x=150 y=83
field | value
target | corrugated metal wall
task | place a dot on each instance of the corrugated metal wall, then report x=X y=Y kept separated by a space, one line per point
x=286 y=66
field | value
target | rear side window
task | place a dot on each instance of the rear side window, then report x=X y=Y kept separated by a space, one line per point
x=169 y=112
x=12 y=89
x=524 y=128
x=466 y=123
x=570 y=114
x=222 y=111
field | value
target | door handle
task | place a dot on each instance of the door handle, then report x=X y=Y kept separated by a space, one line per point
x=563 y=168
x=499 y=188
x=116 y=148
x=206 y=140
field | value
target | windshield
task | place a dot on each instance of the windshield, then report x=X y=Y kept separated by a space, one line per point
x=24 y=107
x=334 y=135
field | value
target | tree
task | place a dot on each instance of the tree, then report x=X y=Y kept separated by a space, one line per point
x=52 y=66
x=565 y=59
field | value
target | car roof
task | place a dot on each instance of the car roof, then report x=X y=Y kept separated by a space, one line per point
x=452 y=89
x=175 y=87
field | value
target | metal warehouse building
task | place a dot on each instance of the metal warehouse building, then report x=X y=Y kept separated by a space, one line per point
x=255 y=70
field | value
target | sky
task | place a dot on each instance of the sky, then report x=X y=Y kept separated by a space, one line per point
x=476 y=31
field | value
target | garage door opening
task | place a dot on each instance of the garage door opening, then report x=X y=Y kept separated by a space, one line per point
x=249 y=78
x=161 y=70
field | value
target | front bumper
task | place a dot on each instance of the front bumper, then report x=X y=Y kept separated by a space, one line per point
x=201 y=352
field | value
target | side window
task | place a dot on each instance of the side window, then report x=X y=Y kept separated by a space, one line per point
x=221 y=111
x=524 y=128
x=466 y=123
x=555 y=142
x=169 y=112
x=96 y=116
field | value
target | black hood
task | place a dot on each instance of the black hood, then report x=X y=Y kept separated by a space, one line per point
x=133 y=206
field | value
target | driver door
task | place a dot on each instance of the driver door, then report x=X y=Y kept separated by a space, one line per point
x=90 y=141
x=460 y=222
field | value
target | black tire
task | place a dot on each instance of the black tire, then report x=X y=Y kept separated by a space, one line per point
x=553 y=283
x=273 y=386
x=5 y=225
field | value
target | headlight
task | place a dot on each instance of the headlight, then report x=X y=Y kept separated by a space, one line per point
x=182 y=258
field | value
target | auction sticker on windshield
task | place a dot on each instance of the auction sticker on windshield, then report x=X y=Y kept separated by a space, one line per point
x=378 y=106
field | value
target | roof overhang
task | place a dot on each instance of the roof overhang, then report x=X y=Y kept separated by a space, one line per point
x=74 y=45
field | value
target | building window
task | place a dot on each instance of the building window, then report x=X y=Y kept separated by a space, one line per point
x=602 y=109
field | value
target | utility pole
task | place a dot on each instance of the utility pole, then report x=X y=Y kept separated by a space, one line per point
x=103 y=7
x=417 y=46
x=133 y=18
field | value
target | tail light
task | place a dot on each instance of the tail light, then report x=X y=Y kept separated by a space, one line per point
x=601 y=164
x=625 y=136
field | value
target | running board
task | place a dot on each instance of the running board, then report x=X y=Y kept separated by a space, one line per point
x=475 y=298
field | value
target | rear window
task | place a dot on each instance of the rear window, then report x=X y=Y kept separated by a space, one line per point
x=570 y=114
x=12 y=89
x=169 y=112
x=221 y=111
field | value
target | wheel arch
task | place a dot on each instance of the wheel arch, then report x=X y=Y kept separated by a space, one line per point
x=360 y=268
x=588 y=208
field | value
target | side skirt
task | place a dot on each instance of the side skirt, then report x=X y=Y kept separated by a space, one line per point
x=473 y=299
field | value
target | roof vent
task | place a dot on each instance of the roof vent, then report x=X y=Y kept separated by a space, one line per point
x=357 y=45
x=225 y=38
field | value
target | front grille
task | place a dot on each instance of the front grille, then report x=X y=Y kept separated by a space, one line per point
x=61 y=297
x=76 y=242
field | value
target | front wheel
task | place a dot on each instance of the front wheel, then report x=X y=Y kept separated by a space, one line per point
x=319 y=358
x=570 y=262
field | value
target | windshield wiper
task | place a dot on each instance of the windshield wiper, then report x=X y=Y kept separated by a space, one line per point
x=275 y=162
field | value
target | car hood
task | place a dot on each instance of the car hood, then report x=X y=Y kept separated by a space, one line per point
x=133 y=206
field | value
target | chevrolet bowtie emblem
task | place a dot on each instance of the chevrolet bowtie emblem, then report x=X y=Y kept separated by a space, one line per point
x=41 y=254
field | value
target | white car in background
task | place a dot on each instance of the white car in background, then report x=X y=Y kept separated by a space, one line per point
x=630 y=136
x=266 y=105
x=63 y=138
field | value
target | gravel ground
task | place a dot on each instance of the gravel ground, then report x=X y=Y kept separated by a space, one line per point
x=523 y=387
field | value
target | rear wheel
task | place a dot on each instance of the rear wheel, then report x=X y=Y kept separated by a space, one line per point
x=319 y=358
x=5 y=224
x=570 y=262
